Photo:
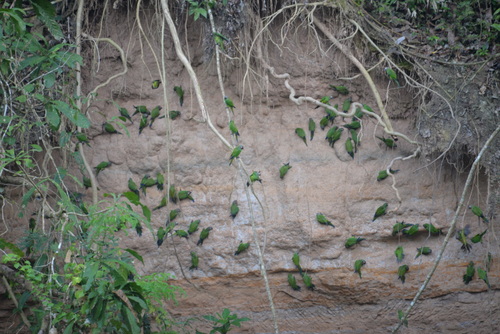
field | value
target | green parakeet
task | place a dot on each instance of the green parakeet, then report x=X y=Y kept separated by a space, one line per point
x=163 y=203
x=399 y=226
x=302 y=134
x=255 y=176
x=367 y=108
x=333 y=135
x=233 y=129
x=203 y=235
x=143 y=123
x=242 y=247
x=478 y=212
x=320 y=218
x=173 y=114
x=160 y=235
x=312 y=127
x=392 y=75
x=349 y=147
x=402 y=270
x=462 y=237
x=284 y=169
x=155 y=84
x=358 y=115
x=478 y=237
x=109 y=128
x=82 y=138
x=482 y=274
x=382 y=175
x=181 y=234
x=169 y=227
x=234 y=209
x=173 y=214
x=172 y=193
x=411 y=231
x=155 y=113
x=194 y=261
x=324 y=100
x=401 y=316
x=330 y=115
x=381 y=210
x=423 y=251
x=124 y=113
x=353 y=125
x=357 y=266
x=432 y=229
x=101 y=166
x=346 y=105
x=219 y=40
x=352 y=241
x=184 y=194
x=87 y=183
x=293 y=282
x=236 y=152
x=180 y=93
x=469 y=273
x=389 y=142
x=340 y=89
x=308 y=281
x=147 y=182
x=296 y=262
x=193 y=226
x=229 y=103
x=400 y=254
x=160 y=181
x=323 y=123
x=141 y=109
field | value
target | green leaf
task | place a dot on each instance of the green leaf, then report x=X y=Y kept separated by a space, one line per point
x=49 y=80
x=27 y=197
x=89 y=273
x=36 y=148
x=21 y=98
x=23 y=299
x=211 y=318
x=69 y=327
x=496 y=26
x=139 y=301
x=46 y=13
x=130 y=320
x=53 y=116
x=64 y=138
x=72 y=114
x=5 y=119
x=134 y=254
x=31 y=62
x=29 y=88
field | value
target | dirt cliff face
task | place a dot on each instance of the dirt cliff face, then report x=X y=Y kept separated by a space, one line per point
x=322 y=179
